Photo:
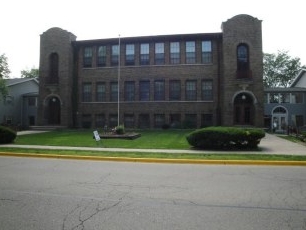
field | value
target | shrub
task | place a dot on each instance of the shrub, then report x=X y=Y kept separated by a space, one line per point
x=7 y=135
x=225 y=138
x=120 y=129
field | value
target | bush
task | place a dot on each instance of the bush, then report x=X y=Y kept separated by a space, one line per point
x=225 y=138
x=120 y=129
x=7 y=135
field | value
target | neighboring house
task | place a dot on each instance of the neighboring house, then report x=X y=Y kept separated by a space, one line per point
x=286 y=107
x=19 y=108
x=182 y=80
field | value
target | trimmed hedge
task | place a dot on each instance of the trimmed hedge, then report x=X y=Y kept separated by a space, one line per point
x=7 y=135
x=225 y=138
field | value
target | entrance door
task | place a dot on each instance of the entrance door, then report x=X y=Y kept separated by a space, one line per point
x=279 y=120
x=244 y=110
x=54 y=111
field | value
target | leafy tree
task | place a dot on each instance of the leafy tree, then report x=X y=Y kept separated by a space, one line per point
x=279 y=70
x=4 y=73
x=32 y=73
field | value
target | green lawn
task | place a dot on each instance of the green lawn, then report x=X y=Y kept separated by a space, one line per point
x=150 y=139
x=158 y=139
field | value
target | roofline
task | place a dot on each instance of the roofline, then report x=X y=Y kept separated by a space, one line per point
x=297 y=78
x=26 y=80
x=150 y=38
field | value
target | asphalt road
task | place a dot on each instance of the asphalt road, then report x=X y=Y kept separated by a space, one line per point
x=73 y=195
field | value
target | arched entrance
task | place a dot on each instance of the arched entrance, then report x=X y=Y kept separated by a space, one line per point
x=279 y=119
x=244 y=109
x=54 y=111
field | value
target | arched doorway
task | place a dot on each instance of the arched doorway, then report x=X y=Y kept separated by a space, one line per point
x=54 y=111
x=279 y=119
x=243 y=109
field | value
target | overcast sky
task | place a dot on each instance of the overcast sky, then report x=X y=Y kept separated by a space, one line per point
x=23 y=21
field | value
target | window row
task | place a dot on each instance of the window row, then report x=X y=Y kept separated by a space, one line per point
x=139 y=54
x=161 y=90
x=146 y=120
x=293 y=98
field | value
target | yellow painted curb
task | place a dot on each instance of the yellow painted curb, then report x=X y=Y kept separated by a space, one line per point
x=159 y=160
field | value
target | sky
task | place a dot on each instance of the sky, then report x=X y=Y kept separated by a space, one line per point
x=22 y=22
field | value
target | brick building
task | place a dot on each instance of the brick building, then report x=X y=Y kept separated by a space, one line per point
x=182 y=80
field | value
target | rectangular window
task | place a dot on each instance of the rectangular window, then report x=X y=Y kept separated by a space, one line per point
x=129 y=121
x=175 y=53
x=299 y=120
x=115 y=55
x=190 y=52
x=159 y=90
x=190 y=121
x=175 y=120
x=144 y=121
x=114 y=91
x=130 y=54
x=100 y=91
x=101 y=60
x=100 y=120
x=86 y=92
x=274 y=98
x=159 y=120
x=87 y=57
x=144 y=90
x=207 y=120
x=206 y=52
x=174 y=90
x=297 y=97
x=129 y=91
x=207 y=90
x=159 y=53
x=284 y=98
x=113 y=120
x=86 y=121
x=32 y=101
x=191 y=90
x=144 y=54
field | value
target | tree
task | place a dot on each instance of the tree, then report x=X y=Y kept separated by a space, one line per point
x=4 y=73
x=32 y=73
x=279 y=70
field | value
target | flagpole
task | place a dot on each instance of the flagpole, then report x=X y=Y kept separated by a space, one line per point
x=119 y=83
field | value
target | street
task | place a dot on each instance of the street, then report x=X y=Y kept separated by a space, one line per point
x=43 y=194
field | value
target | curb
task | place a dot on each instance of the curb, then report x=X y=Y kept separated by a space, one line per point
x=159 y=160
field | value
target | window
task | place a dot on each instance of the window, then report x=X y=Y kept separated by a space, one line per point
x=129 y=121
x=175 y=120
x=174 y=90
x=190 y=121
x=274 y=98
x=130 y=54
x=242 y=57
x=100 y=92
x=115 y=55
x=175 y=53
x=87 y=59
x=206 y=52
x=32 y=101
x=207 y=120
x=144 y=54
x=114 y=91
x=159 y=120
x=54 y=69
x=297 y=97
x=190 y=52
x=87 y=92
x=284 y=98
x=144 y=121
x=144 y=90
x=129 y=91
x=86 y=121
x=159 y=54
x=159 y=90
x=207 y=90
x=191 y=90
x=113 y=120
x=100 y=120
x=101 y=60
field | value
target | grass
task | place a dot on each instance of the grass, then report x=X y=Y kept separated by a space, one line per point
x=150 y=139
x=156 y=139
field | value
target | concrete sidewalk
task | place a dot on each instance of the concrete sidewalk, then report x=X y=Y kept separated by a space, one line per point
x=270 y=144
